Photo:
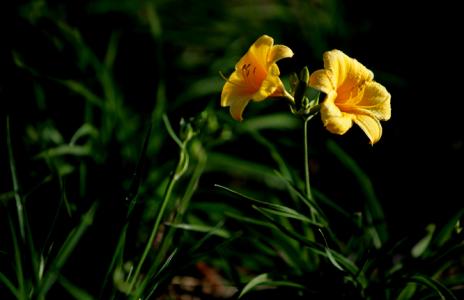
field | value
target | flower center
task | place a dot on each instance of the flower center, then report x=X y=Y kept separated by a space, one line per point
x=253 y=74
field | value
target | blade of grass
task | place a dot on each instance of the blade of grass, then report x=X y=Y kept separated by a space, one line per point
x=167 y=241
x=61 y=150
x=14 y=178
x=85 y=130
x=202 y=228
x=115 y=260
x=312 y=205
x=273 y=208
x=317 y=248
x=328 y=251
x=65 y=251
x=264 y=279
x=137 y=175
x=447 y=231
x=76 y=292
x=248 y=220
x=181 y=167
x=267 y=204
x=292 y=214
x=22 y=293
x=6 y=282
x=424 y=243
x=83 y=91
x=440 y=289
x=258 y=280
x=313 y=245
x=150 y=275
x=408 y=292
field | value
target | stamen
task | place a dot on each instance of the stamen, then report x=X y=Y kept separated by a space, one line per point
x=246 y=70
x=230 y=81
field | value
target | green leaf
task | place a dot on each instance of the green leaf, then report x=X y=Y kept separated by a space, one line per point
x=329 y=254
x=408 y=291
x=171 y=132
x=272 y=208
x=153 y=274
x=289 y=213
x=202 y=228
x=309 y=202
x=6 y=282
x=263 y=279
x=83 y=91
x=332 y=259
x=22 y=292
x=73 y=290
x=248 y=220
x=18 y=199
x=84 y=130
x=422 y=245
x=440 y=289
x=65 y=251
x=258 y=280
x=447 y=231
x=73 y=150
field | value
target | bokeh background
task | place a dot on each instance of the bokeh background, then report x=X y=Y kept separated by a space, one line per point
x=413 y=49
x=167 y=55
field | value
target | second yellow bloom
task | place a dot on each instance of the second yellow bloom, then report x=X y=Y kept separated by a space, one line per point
x=352 y=96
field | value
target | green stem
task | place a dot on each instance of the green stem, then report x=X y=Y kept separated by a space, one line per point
x=14 y=178
x=184 y=203
x=308 y=192
x=180 y=169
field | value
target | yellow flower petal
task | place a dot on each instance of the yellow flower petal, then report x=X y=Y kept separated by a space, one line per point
x=237 y=107
x=278 y=52
x=371 y=127
x=256 y=76
x=351 y=96
x=322 y=80
x=269 y=85
x=374 y=100
x=346 y=73
x=257 y=54
x=335 y=120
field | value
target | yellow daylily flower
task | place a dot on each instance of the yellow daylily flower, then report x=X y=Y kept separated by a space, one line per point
x=352 y=95
x=256 y=76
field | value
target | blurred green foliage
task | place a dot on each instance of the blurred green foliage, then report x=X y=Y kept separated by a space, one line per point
x=122 y=178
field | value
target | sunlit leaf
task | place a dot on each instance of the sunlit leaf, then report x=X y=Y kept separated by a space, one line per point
x=202 y=228
x=445 y=232
x=76 y=292
x=73 y=150
x=422 y=245
x=264 y=279
x=440 y=289
x=408 y=291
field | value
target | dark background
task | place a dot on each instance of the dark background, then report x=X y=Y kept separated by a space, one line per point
x=412 y=47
